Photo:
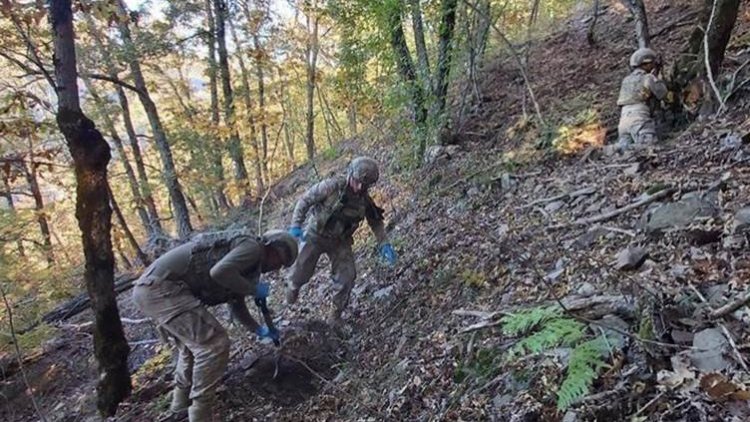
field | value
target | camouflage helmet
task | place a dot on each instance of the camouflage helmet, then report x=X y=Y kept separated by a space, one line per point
x=281 y=240
x=643 y=56
x=364 y=170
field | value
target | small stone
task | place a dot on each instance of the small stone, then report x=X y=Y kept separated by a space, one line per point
x=507 y=182
x=633 y=170
x=586 y=289
x=554 y=206
x=708 y=351
x=383 y=293
x=679 y=214
x=570 y=416
x=590 y=237
x=631 y=258
x=473 y=191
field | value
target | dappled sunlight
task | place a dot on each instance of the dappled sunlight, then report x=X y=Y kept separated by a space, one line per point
x=572 y=140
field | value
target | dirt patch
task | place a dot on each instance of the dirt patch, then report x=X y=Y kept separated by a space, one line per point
x=292 y=374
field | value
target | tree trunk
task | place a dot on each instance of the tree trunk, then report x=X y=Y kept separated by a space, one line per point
x=405 y=67
x=423 y=61
x=41 y=216
x=216 y=161
x=236 y=152
x=8 y=195
x=258 y=162
x=117 y=243
x=288 y=139
x=447 y=27
x=638 y=9
x=91 y=155
x=145 y=187
x=310 y=63
x=259 y=63
x=129 y=173
x=126 y=230
x=182 y=215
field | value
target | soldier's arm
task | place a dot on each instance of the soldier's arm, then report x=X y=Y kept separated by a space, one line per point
x=228 y=271
x=315 y=195
x=242 y=314
x=656 y=86
x=374 y=216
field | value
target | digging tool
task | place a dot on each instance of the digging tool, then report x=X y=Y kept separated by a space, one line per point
x=263 y=306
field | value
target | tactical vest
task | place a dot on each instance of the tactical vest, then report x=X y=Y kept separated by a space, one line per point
x=206 y=252
x=341 y=213
x=633 y=89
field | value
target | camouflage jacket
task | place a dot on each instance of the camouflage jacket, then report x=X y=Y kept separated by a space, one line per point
x=639 y=87
x=333 y=211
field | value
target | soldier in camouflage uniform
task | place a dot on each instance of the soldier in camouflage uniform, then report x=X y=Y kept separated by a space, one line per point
x=334 y=208
x=638 y=92
x=210 y=270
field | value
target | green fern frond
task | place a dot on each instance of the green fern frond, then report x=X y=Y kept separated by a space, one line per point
x=524 y=321
x=586 y=361
x=554 y=332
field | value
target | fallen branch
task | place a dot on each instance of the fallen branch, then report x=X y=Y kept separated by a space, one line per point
x=78 y=304
x=612 y=214
x=580 y=192
x=731 y=306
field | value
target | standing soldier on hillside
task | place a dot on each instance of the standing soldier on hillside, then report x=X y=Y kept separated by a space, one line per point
x=334 y=209
x=175 y=290
x=638 y=93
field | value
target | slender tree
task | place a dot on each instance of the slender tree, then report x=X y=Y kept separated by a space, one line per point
x=236 y=152
x=311 y=60
x=182 y=215
x=91 y=155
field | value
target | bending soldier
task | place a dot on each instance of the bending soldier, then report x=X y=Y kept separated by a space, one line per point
x=637 y=92
x=334 y=209
x=175 y=290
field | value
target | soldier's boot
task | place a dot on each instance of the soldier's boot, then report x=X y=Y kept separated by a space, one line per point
x=292 y=293
x=201 y=411
x=178 y=407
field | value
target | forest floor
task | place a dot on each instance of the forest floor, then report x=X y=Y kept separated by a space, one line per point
x=496 y=224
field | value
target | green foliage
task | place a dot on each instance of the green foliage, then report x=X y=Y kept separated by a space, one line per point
x=583 y=368
x=474 y=279
x=526 y=320
x=484 y=365
x=555 y=332
x=551 y=329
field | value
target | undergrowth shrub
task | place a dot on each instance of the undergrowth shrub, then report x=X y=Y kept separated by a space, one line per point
x=544 y=328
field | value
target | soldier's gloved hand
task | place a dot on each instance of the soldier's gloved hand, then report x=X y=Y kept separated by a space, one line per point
x=297 y=232
x=262 y=290
x=387 y=252
x=265 y=332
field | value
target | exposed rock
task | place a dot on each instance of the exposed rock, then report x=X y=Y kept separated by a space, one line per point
x=586 y=289
x=679 y=214
x=615 y=339
x=631 y=258
x=439 y=153
x=590 y=237
x=741 y=220
x=708 y=351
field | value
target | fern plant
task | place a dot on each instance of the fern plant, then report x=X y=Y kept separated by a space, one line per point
x=545 y=328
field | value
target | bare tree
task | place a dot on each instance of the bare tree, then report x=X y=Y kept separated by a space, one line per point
x=638 y=9
x=91 y=155
x=311 y=60
x=32 y=178
x=182 y=215
x=236 y=151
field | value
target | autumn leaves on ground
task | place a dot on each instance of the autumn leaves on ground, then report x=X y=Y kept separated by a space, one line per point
x=542 y=275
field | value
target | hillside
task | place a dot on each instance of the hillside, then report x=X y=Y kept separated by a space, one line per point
x=497 y=223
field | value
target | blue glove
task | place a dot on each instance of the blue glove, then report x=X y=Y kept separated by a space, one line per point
x=262 y=289
x=387 y=252
x=264 y=332
x=297 y=232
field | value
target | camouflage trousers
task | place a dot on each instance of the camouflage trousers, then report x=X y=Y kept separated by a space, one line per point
x=343 y=269
x=636 y=126
x=202 y=343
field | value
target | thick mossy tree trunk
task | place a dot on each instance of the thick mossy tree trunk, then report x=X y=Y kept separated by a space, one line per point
x=446 y=31
x=690 y=66
x=91 y=155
